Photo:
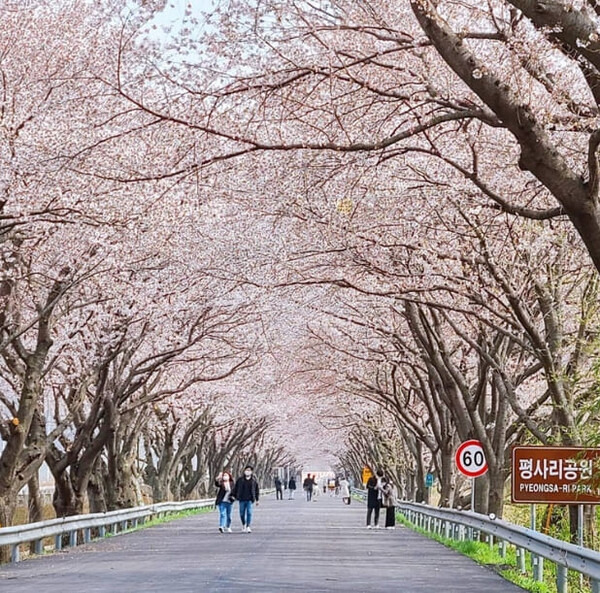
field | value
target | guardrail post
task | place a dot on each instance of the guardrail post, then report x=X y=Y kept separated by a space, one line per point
x=490 y=540
x=561 y=578
x=123 y=525
x=595 y=586
x=73 y=538
x=15 y=553
x=58 y=542
x=538 y=568
x=503 y=549
x=521 y=560
x=87 y=535
x=102 y=531
x=461 y=532
x=447 y=527
x=39 y=547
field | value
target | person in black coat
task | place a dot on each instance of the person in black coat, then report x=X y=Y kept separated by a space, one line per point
x=374 y=498
x=292 y=487
x=278 y=489
x=247 y=492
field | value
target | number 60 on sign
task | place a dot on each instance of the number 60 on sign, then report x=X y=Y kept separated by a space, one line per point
x=470 y=459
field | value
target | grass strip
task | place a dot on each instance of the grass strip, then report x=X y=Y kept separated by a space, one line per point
x=489 y=556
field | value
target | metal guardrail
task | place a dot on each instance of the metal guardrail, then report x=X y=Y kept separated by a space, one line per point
x=464 y=525
x=112 y=522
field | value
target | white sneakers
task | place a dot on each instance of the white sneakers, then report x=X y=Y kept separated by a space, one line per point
x=248 y=530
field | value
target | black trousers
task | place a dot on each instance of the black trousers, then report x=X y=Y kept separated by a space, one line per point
x=370 y=511
x=390 y=516
x=279 y=495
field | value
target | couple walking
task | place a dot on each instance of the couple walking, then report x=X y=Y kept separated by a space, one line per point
x=245 y=491
x=381 y=492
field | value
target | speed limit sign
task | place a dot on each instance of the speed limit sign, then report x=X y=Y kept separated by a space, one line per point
x=470 y=459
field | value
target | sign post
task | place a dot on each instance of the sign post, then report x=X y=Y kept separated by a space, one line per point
x=470 y=461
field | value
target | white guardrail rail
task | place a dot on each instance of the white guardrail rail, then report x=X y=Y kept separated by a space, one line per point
x=464 y=525
x=112 y=523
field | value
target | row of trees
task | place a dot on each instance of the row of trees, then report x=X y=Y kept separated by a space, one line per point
x=403 y=138
x=117 y=344
x=392 y=204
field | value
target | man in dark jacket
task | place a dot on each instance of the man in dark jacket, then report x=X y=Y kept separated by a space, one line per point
x=374 y=498
x=246 y=492
x=278 y=488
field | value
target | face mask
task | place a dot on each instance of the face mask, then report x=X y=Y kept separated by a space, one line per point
x=247 y=473
x=225 y=479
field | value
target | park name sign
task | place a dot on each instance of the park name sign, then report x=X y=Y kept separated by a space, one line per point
x=560 y=475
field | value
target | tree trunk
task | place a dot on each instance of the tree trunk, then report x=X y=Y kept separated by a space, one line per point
x=35 y=504
x=64 y=499
x=96 y=490
x=7 y=511
x=447 y=479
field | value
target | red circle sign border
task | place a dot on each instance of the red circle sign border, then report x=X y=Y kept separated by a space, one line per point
x=461 y=469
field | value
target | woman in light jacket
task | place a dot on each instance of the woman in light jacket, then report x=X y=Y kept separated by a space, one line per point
x=345 y=490
x=389 y=501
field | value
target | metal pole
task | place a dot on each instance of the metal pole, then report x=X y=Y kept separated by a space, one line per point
x=472 y=495
x=534 y=559
x=580 y=534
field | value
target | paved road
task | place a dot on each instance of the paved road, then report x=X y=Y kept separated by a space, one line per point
x=295 y=546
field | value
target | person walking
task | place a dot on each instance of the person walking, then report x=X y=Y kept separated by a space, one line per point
x=308 y=486
x=345 y=491
x=278 y=489
x=389 y=501
x=374 y=499
x=224 y=500
x=246 y=492
x=292 y=487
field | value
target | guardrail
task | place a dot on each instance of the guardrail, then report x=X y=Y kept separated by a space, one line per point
x=463 y=525
x=113 y=522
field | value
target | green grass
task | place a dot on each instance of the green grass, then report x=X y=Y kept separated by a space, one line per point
x=169 y=517
x=485 y=555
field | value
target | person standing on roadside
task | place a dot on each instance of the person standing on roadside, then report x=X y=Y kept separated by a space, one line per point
x=224 y=501
x=345 y=491
x=389 y=501
x=374 y=485
x=246 y=492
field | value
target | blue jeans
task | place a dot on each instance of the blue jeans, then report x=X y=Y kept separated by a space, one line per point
x=225 y=514
x=246 y=512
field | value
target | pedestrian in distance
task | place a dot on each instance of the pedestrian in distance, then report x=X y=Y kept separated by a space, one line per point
x=292 y=487
x=246 y=492
x=278 y=489
x=345 y=491
x=308 y=485
x=224 y=500
x=374 y=499
x=389 y=501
